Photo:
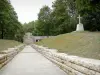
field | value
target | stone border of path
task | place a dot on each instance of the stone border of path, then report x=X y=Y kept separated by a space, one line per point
x=8 y=55
x=72 y=65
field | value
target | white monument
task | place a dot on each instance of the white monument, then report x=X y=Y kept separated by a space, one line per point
x=80 y=25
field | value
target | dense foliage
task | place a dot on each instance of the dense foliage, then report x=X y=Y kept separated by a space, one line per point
x=90 y=10
x=62 y=18
x=10 y=27
x=28 y=27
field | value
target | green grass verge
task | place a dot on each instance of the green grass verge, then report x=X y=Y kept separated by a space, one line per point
x=5 y=44
x=84 y=44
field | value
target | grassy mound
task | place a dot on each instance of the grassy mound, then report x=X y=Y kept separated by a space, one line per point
x=84 y=44
x=5 y=44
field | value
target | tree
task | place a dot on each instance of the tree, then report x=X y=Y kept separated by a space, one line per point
x=61 y=19
x=3 y=15
x=62 y=12
x=44 y=21
x=9 y=25
x=28 y=27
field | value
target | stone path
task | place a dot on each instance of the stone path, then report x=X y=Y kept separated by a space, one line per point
x=30 y=62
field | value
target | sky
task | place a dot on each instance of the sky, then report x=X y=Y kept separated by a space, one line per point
x=27 y=10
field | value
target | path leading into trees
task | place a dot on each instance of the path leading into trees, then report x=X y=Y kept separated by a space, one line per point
x=30 y=62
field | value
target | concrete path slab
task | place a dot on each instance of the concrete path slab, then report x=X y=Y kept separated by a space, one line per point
x=30 y=62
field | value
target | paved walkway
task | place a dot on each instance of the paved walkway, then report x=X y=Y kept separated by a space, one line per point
x=30 y=62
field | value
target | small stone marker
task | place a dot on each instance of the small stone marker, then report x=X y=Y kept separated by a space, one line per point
x=80 y=25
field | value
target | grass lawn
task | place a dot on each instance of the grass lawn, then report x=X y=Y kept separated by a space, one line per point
x=84 y=44
x=5 y=44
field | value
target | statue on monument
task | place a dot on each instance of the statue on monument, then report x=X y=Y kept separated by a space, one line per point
x=80 y=25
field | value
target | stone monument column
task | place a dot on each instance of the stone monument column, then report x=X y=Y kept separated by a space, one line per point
x=80 y=25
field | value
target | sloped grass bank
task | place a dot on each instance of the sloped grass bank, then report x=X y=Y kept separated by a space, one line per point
x=84 y=44
x=5 y=44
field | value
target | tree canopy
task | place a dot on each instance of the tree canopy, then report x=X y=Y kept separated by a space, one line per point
x=62 y=18
x=90 y=10
x=10 y=27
